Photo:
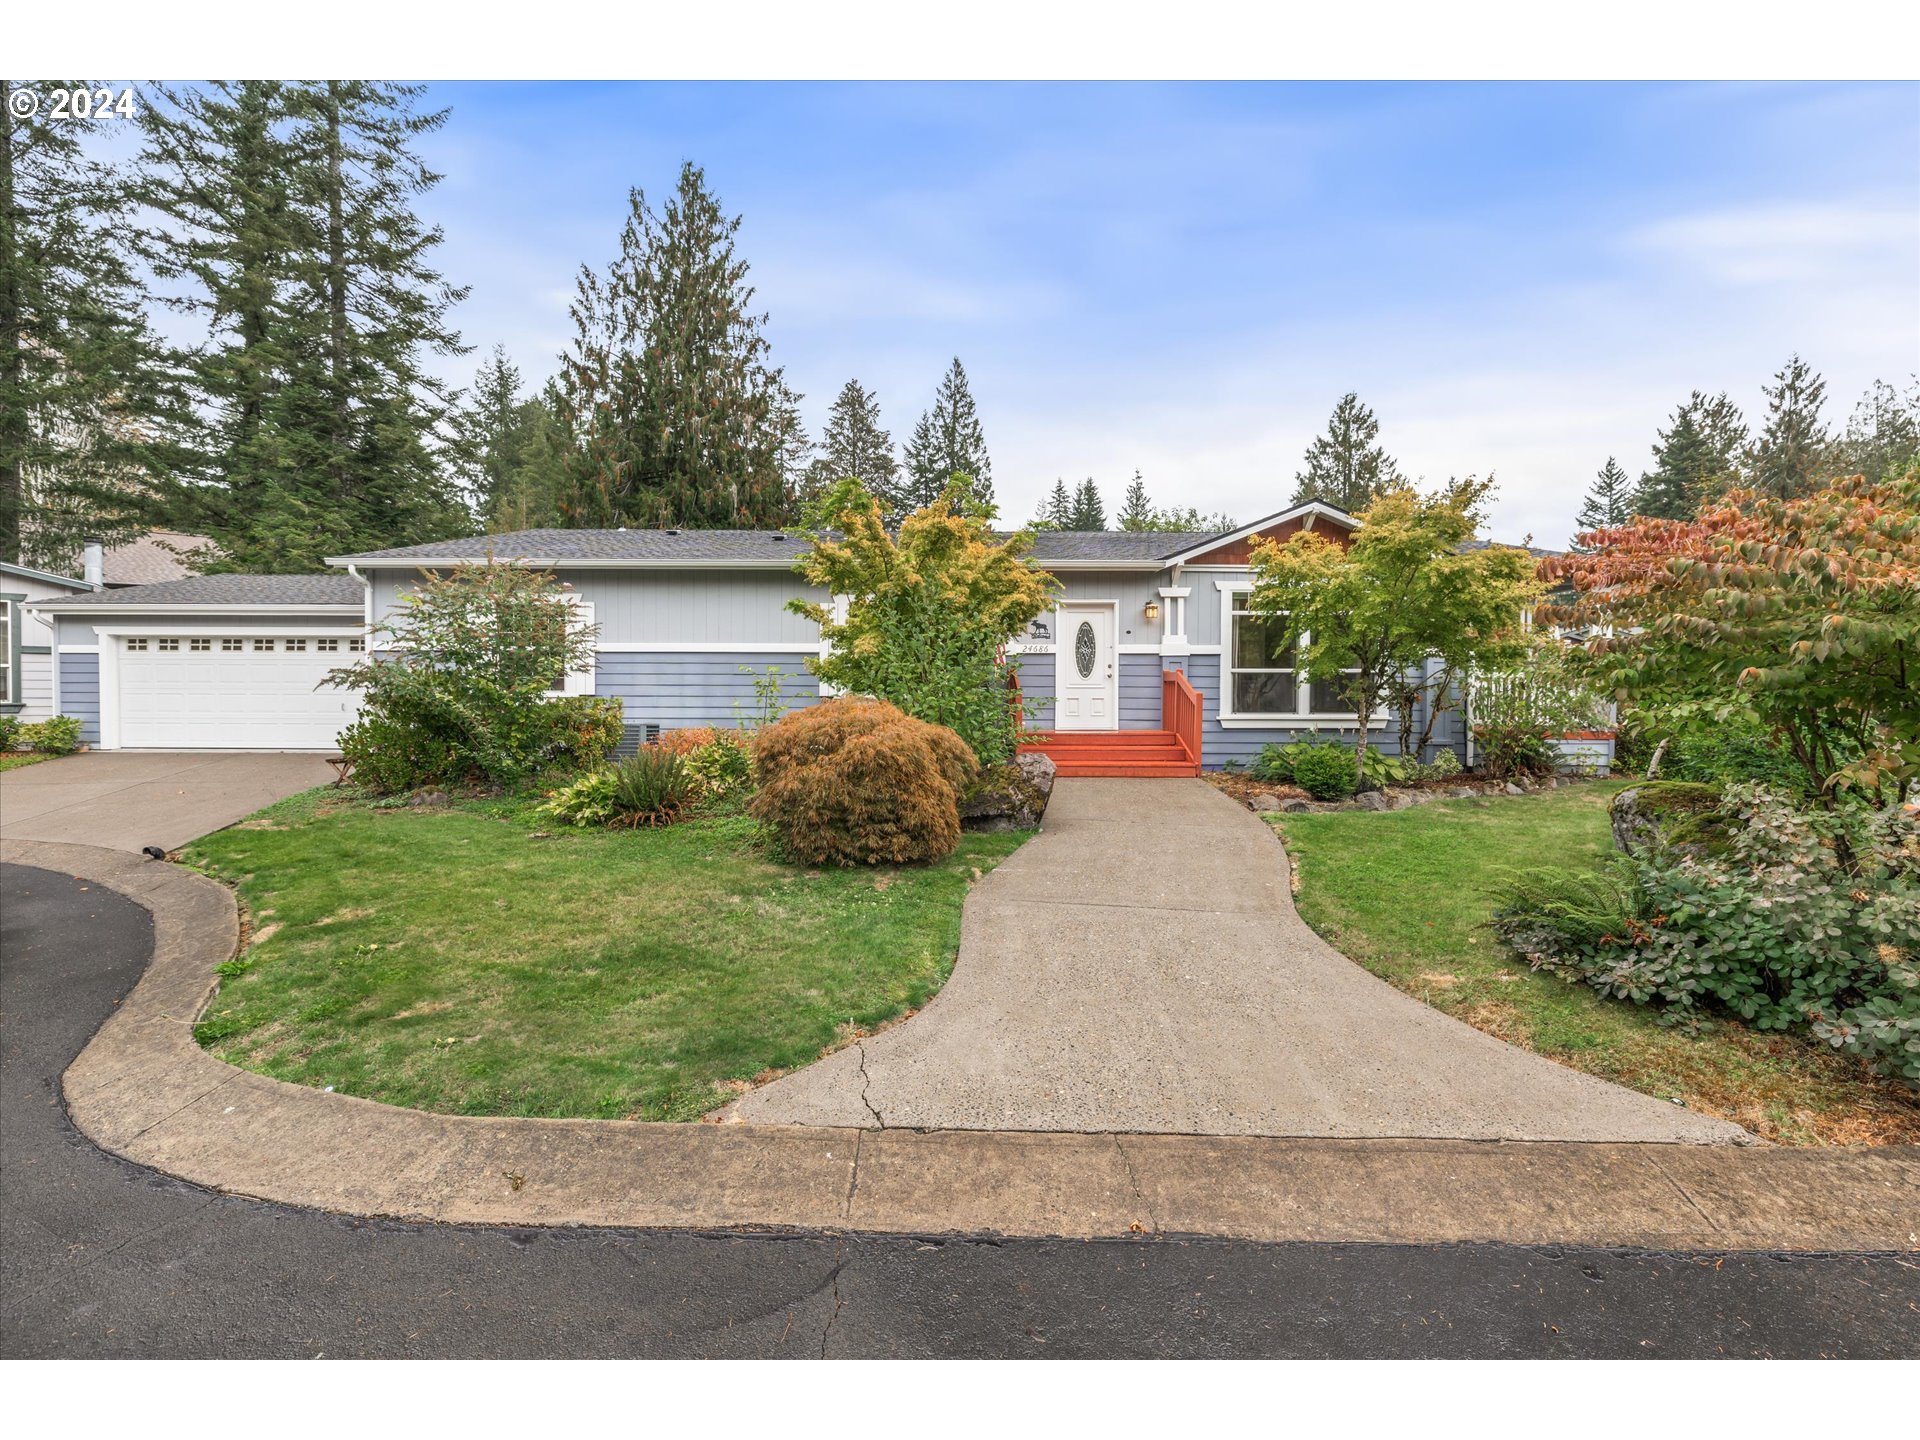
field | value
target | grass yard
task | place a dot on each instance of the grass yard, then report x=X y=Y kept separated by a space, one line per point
x=1407 y=894
x=469 y=960
x=18 y=759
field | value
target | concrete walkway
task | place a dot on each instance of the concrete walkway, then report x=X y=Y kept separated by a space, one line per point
x=130 y=799
x=1139 y=968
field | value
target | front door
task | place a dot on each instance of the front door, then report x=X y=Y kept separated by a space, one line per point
x=1087 y=688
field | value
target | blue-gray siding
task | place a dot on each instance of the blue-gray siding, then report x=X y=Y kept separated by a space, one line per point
x=676 y=689
x=1036 y=685
x=80 y=693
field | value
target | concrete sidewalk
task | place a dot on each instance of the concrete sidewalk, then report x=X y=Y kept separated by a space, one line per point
x=1139 y=968
x=130 y=799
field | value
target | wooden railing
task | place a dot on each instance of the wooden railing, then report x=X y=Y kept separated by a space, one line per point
x=1180 y=711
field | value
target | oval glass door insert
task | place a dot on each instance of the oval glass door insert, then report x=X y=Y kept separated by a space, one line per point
x=1083 y=648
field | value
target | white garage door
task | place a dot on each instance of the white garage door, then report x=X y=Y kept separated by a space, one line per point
x=233 y=692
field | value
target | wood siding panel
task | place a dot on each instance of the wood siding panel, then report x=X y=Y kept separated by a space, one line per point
x=1239 y=552
x=80 y=693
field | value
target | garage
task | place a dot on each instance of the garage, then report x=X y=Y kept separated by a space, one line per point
x=185 y=691
x=211 y=662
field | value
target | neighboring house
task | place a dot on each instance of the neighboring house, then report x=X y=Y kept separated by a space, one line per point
x=686 y=621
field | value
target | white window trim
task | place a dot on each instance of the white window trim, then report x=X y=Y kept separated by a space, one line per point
x=581 y=681
x=1300 y=718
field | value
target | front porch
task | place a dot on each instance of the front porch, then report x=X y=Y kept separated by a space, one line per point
x=1172 y=751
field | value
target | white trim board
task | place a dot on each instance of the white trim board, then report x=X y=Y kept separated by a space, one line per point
x=711 y=647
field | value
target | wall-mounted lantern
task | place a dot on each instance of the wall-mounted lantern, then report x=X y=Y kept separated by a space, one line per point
x=1153 y=609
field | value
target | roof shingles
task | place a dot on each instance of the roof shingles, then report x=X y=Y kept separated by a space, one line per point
x=313 y=590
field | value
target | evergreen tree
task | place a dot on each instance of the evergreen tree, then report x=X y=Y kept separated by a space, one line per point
x=1883 y=433
x=287 y=217
x=1609 y=500
x=1696 y=457
x=87 y=402
x=1346 y=467
x=1056 y=511
x=856 y=447
x=1791 y=452
x=1191 y=520
x=1136 y=511
x=679 y=417
x=510 y=450
x=1088 y=513
x=946 y=442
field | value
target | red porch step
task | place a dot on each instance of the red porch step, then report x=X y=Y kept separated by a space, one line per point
x=1114 y=752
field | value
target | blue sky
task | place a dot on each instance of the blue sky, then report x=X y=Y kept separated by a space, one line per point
x=1182 y=279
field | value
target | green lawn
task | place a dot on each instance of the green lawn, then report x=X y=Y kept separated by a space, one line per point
x=15 y=759
x=1407 y=894
x=470 y=960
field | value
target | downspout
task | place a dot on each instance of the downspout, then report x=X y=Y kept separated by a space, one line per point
x=366 y=608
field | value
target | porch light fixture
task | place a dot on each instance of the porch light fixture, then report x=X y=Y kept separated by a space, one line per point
x=1153 y=609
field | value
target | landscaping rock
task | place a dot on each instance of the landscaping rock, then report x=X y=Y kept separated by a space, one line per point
x=1372 y=800
x=1462 y=792
x=1512 y=789
x=1266 y=803
x=1295 y=807
x=1009 y=797
x=1662 y=814
x=430 y=799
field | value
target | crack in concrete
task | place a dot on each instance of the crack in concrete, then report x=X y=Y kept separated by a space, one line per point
x=853 y=1185
x=1681 y=1190
x=1133 y=1179
x=839 y=1263
x=143 y=1131
x=866 y=1083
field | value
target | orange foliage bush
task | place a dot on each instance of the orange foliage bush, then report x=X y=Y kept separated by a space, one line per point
x=860 y=782
x=685 y=742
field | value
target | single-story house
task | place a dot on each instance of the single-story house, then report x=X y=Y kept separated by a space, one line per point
x=688 y=619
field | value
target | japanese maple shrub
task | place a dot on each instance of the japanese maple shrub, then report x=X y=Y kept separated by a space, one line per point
x=856 y=781
x=928 y=612
x=464 y=694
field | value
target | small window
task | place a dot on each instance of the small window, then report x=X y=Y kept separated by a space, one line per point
x=357 y=646
x=326 y=644
x=263 y=645
x=231 y=643
x=200 y=642
x=296 y=644
x=139 y=643
x=166 y=644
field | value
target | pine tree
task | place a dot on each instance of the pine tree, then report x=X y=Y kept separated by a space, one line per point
x=1695 y=458
x=1883 y=433
x=509 y=448
x=946 y=442
x=1056 y=511
x=1346 y=467
x=88 y=404
x=288 y=218
x=679 y=416
x=1791 y=452
x=1609 y=500
x=1136 y=511
x=855 y=446
x=1088 y=512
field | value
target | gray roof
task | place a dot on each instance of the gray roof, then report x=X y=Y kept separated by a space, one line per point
x=229 y=590
x=156 y=556
x=725 y=547
x=1533 y=550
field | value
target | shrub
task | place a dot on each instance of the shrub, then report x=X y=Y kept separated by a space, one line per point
x=859 y=782
x=465 y=696
x=57 y=735
x=1444 y=765
x=1506 y=750
x=686 y=741
x=1732 y=751
x=722 y=768
x=1802 y=920
x=1273 y=764
x=9 y=733
x=587 y=801
x=650 y=787
x=1378 y=769
x=1324 y=771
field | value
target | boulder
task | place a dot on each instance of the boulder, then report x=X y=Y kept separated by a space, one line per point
x=1372 y=800
x=1265 y=803
x=1009 y=797
x=1512 y=789
x=1295 y=807
x=1671 y=814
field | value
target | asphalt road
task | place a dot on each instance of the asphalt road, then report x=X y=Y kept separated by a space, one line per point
x=101 y=1258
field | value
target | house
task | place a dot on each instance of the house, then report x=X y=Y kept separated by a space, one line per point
x=688 y=619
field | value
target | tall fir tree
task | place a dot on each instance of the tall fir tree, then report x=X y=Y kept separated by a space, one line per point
x=88 y=403
x=288 y=224
x=679 y=417
x=1089 y=512
x=1136 y=510
x=510 y=450
x=1694 y=459
x=1882 y=438
x=1347 y=467
x=856 y=446
x=1056 y=511
x=948 y=441
x=1609 y=500
x=1791 y=452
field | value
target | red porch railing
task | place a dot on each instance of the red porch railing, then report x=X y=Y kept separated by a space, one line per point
x=1180 y=711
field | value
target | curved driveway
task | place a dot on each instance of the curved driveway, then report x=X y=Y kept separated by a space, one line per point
x=1139 y=967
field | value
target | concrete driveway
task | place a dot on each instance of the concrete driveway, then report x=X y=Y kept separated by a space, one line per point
x=129 y=799
x=1139 y=967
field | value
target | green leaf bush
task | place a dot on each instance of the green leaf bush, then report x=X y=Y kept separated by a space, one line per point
x=57 y=735
x=860 y=782
x=651 y=787
x=1324 y=771
x=1802 y=920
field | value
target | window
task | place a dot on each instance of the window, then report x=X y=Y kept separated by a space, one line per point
x=230 y=644
x=296 y=644
x=200 y=642
x=138 y=643
x=357 y=646
x=579 y=682
x=326 y=644
x=166 y=644
x=263 y=645
x=1262 y=679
